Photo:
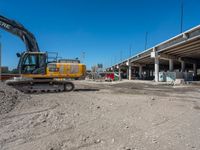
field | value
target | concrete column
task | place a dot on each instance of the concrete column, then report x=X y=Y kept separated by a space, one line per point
x=182 y=66
x=120 y=78
x=195 y=69
x=171 y=65
x=151 y=73
x=129 y=72
x=140 y=71
x=156 y=66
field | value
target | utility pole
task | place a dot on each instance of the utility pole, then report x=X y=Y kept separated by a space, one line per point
x=181 y=21
x=115 y=59
x=145 y=44
x=83 y=57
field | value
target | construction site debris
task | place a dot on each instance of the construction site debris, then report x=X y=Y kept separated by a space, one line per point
x=105 y=115
x=9 y=97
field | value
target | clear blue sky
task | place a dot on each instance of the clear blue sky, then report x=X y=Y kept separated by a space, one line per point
x=100 y=28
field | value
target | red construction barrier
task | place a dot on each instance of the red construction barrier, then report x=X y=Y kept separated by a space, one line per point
x=110 y=76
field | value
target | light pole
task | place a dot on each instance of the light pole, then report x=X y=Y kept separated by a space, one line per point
x=130 y=50
x=146 y=38
x=181 y=21
x=83 y=57
x=121 y=55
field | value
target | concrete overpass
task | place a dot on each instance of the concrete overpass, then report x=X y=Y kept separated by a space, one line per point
x=180 y=53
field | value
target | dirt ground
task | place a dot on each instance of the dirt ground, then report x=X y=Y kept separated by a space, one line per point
x=106 y=116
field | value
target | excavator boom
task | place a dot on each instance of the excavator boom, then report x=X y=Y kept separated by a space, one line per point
x=19 y=30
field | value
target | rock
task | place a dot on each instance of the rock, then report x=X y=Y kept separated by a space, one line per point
x=179 y=82
x=97 y=141
x=154 y=141
x=113 y=140
x=76 y=114
x=126 y=127
x=193 y=147
x=127 y=148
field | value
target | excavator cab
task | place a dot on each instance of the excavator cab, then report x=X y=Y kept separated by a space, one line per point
x=32 y=63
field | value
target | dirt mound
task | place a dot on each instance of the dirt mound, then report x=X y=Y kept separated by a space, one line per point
x=9 y=97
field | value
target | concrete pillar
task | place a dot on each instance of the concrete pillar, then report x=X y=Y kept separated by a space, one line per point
x=149 y=73
x=182 y=66
x=140 y=71
x=120 y=78
x=129 y=72
x=171 y=65
x=156 y=66
x=195 y=69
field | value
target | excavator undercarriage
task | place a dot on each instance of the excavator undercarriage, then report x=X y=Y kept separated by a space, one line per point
x=40 y=85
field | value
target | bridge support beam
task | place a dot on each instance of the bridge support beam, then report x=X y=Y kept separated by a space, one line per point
x=195 y=69
x=119 y=69
x=156 y=67
x=129 y=72
x=182 y=66
x=171 y=65
x=140 y=71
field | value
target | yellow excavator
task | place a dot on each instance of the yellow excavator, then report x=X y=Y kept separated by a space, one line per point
x=37 y=72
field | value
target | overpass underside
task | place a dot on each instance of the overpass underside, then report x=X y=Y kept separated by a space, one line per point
x=176 y=58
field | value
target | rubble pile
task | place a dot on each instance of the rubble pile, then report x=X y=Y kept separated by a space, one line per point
x=9 y=97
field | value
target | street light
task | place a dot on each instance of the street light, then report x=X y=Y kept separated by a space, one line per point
x=130 y=50
x=83 y=56
x=181 y=19
x=146 y=38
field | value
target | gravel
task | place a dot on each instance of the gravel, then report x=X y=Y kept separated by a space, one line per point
x=9 y=98
x=104 y=116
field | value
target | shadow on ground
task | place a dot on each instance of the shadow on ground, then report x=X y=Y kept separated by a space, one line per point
x=85 y=90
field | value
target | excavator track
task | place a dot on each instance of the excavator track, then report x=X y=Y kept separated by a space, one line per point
x=41 y=86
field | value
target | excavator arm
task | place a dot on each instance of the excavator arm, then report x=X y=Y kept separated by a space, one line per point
x=20 y=31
